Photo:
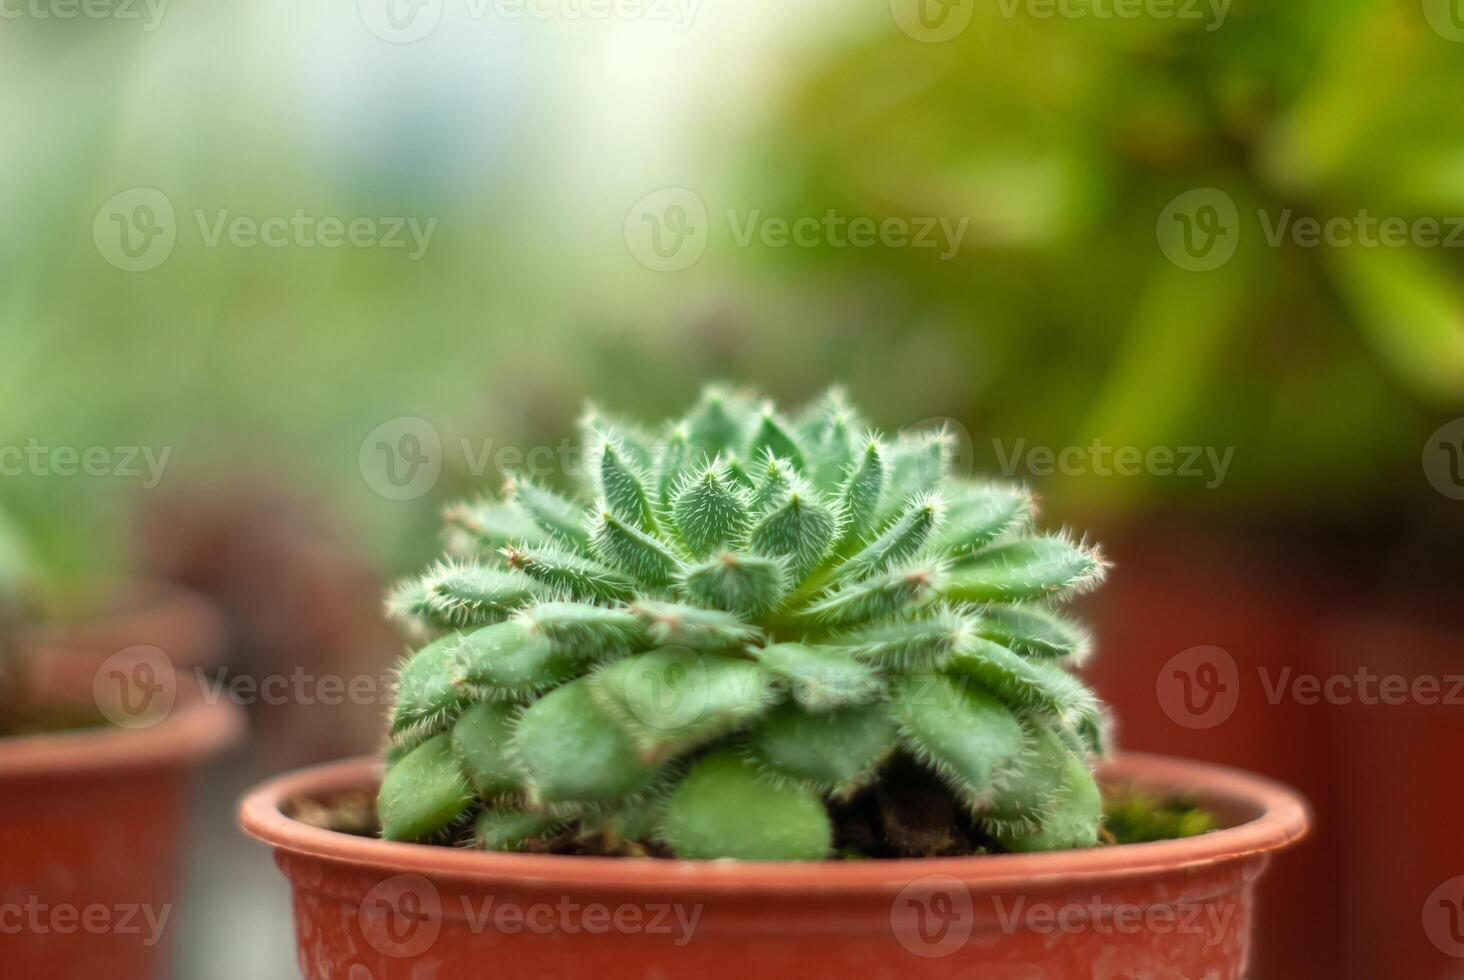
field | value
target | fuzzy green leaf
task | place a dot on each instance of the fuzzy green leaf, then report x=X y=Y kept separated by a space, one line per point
x=634 y=552
x=772 y=437
x=771 y=482
x=1072 y=819
x=715 y=425
x=961 y=731
x=800 y=530
x=676 y=624
x=423 y=793
x=746 y=585
x=490 y=525
x=902 y=540
x=822 y=677
x=672 y=701
x=831 y=751
x=673 y=461
x=1032 y=568
x=578 y=577
x=555 y=514
x=429 y=691
x=584 y=632
x=710 y=512
x=860 y=495
x=572 y=752
x=725 y=809
x=480 y=741
x=918 y=462
x=510 y=661
x=1037 y=685
x=463 y=595
x=921 y=642
x=623 y=489
x=510 y=829
x=880 y=597
x=976 y=515
x=1034 y=632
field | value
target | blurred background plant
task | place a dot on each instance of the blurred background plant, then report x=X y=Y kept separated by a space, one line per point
x=263 y=379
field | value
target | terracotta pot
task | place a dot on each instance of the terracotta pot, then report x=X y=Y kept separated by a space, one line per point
x=182 y=623
x=92 y=821
x=1191 y=627
x=366 y=908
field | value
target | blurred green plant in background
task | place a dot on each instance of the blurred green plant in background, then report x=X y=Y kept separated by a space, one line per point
x=1064 y=138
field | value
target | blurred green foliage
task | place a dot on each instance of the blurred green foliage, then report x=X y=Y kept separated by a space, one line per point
x=1063 y=139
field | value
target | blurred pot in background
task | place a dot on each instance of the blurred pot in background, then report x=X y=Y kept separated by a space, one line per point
x=312 y=653
x=97 y=765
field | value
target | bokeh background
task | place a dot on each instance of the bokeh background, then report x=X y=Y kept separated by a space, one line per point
x=1090 y=248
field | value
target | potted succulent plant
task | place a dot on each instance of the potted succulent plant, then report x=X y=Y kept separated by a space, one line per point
x=788 y=691
x=96 y=759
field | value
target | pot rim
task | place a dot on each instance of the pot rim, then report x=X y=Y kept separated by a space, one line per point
x=193 y=730
x=1282 y=818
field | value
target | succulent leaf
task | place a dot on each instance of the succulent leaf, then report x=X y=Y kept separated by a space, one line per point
x=831 y=751
x=725 y=808
x=480 y=742
x=746 y=585
x=961 y=731
x=571 y=752
x=710 y=512
x=1032 y=568
x=822 y=677
x=575 y=575
x=672 y=701
x=424 y=793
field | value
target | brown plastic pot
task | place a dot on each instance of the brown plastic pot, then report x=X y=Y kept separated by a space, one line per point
x=366 y=908
x=92 y=821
